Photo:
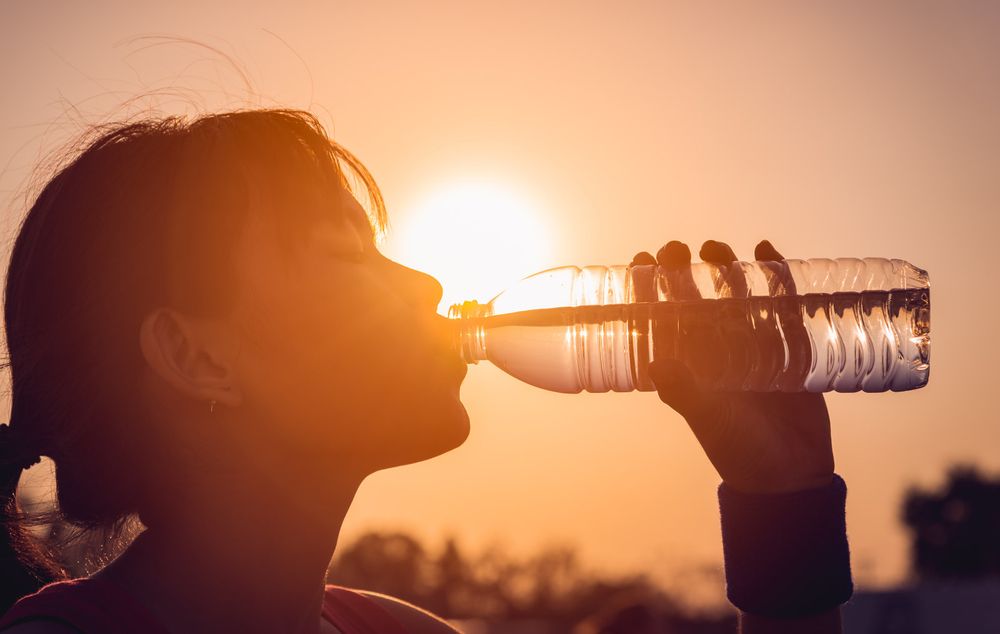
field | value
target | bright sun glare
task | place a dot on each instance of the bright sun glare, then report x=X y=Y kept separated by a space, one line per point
x=476 y=238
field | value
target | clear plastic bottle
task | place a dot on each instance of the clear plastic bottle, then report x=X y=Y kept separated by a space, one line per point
x=817 y=325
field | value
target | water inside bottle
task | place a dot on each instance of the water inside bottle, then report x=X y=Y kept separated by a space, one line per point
x=871 y=341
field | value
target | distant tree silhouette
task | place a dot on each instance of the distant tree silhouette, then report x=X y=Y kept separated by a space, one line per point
x=955 y=531
x=549 y=586
x=393 y=563
x=454 y=580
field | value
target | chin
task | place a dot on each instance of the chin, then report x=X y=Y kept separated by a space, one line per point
x=432 y=432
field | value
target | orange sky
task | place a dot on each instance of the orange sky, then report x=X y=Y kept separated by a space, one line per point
x=834 y=130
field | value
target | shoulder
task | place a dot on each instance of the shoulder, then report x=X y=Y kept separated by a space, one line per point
x=39 y=626
x=79 y=605
x=414 y=619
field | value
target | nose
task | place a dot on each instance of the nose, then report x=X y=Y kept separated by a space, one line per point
x=423 y=293
x=418 y=288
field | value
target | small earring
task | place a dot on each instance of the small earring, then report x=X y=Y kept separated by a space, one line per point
x=211 y=407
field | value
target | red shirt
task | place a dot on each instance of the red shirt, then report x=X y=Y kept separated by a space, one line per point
x=96 y=606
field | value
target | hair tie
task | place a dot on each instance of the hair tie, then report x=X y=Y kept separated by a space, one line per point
x=14 y=452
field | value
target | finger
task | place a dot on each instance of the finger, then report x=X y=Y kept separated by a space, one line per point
x=779 y=278
x=722 y=255
x=644 y=281
x=676 y=386
x=643 y=258
x=674 y=255
x=765 y=251
x=717 y=252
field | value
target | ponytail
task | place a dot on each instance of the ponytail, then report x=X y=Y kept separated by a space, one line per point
x=135 y=215
x=25 y=566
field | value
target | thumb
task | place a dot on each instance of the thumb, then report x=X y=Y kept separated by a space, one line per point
x=676 y=386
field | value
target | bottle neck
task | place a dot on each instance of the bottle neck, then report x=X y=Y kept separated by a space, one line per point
x=470 y=329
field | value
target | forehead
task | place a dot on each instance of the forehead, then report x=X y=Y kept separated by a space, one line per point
x=355 y=214
x=296 y=212
x=280 y=231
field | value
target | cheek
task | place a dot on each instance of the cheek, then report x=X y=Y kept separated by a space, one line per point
x=375 y=393
x=318 y=338
x=338 y=361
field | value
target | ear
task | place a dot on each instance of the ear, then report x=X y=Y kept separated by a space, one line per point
x=174 y=350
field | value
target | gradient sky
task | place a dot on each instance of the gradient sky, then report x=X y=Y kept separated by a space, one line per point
x=833 y=129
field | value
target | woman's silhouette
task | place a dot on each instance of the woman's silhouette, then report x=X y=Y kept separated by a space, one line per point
x=203 y=336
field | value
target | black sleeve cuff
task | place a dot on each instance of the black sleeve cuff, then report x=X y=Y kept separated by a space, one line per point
x=786 y=554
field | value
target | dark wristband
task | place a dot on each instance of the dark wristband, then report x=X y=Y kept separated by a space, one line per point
x=786 y=554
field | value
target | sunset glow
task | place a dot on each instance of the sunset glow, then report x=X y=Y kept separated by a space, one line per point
x=512 y=138
x=474 y=237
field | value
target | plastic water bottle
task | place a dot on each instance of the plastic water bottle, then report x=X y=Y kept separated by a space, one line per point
x=816 y=325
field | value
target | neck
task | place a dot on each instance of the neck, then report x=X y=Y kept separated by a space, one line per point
x=250 y=555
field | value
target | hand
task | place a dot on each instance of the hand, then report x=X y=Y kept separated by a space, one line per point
x=760 y=442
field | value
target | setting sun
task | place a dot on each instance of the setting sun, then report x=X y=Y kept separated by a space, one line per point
x=474 y=237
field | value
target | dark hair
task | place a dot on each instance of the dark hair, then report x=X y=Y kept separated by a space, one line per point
x=142 y=216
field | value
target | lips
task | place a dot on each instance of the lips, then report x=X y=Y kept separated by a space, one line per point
x=453 y=366
x=438 y=336
x=445 y=363
x=462 y=368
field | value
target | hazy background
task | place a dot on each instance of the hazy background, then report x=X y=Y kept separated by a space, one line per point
x=836 y=129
